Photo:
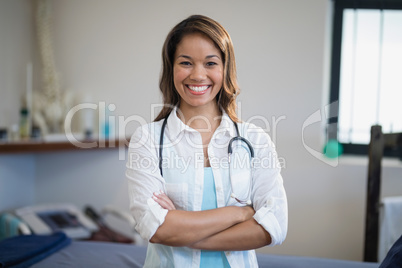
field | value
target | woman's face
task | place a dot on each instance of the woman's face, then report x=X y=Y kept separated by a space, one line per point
x=197 y=71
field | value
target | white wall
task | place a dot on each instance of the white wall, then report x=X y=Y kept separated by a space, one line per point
x=111 y=49
x=92 y=177
x=17 y=181
x=16 y=50
x=17 y=172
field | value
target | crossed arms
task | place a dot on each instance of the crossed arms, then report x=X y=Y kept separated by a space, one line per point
x=224 y=229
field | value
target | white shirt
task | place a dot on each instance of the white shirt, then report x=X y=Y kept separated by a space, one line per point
x=182 y=181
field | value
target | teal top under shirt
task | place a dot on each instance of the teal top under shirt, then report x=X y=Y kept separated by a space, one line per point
x=211 y=258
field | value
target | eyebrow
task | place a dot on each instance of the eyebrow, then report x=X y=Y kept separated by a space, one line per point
x=207 y=57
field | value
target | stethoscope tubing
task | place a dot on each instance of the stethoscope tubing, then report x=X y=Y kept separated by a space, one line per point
x=161 y=144
x=230 y=151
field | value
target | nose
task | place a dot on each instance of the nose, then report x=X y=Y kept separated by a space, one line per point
x=198 y=73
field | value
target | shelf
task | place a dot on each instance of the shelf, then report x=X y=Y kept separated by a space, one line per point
x=41 y=146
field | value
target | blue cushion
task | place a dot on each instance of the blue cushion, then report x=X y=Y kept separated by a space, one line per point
x=394 y=256
x=25 y=250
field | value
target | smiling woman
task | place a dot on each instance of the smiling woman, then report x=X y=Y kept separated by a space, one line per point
x=191 y=215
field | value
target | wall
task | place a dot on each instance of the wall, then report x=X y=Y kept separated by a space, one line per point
x=93 y=178
x=17 y=181
x=16 y=50
x=17 y=172
x=112 y=52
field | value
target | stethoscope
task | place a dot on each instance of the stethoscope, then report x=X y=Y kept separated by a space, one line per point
x=230 y=151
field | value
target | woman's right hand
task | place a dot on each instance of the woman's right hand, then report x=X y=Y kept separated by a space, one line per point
x=163 y=200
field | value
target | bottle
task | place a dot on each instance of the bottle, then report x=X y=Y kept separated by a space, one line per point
x=15 y=133
x=24 y=124
x=3 y=135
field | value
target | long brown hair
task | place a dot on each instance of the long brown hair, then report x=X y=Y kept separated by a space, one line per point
x=207 y=26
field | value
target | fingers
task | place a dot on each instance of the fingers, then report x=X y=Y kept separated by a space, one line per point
x=163 y=200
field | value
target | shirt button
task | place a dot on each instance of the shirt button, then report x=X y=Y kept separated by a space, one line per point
x=218 y=188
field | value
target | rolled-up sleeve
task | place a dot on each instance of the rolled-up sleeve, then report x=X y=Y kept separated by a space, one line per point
x=144 y=179
x=269 y=196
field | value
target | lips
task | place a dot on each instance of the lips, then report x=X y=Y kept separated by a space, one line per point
x=198 y=90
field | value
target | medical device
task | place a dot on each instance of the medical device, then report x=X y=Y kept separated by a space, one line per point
x=230 y=151
x=48 y=218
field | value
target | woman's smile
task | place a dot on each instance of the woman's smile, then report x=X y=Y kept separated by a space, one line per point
x=198 y=90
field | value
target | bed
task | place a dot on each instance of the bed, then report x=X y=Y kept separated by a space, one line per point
x=58 y=250
x=105 y=254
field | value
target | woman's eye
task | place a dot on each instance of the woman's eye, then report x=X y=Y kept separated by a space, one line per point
x=186 y=63
x=211 y=63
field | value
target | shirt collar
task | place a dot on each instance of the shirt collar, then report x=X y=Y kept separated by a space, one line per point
x=227 y=125
x=176 y=126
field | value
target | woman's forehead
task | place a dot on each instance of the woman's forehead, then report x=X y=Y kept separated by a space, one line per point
x=197 y=44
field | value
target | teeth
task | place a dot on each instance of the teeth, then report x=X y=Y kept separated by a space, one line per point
x=198 y=89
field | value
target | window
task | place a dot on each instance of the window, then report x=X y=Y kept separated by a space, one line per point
x=366 y=71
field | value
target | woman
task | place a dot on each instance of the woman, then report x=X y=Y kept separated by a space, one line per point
x=195 y=207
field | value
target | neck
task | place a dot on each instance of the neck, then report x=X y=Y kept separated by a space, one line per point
x=201 y=118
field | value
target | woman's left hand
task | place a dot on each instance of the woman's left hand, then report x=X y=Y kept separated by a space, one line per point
x=163 y=200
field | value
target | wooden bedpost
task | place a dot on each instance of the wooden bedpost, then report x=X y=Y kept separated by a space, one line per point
x=376 y=149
